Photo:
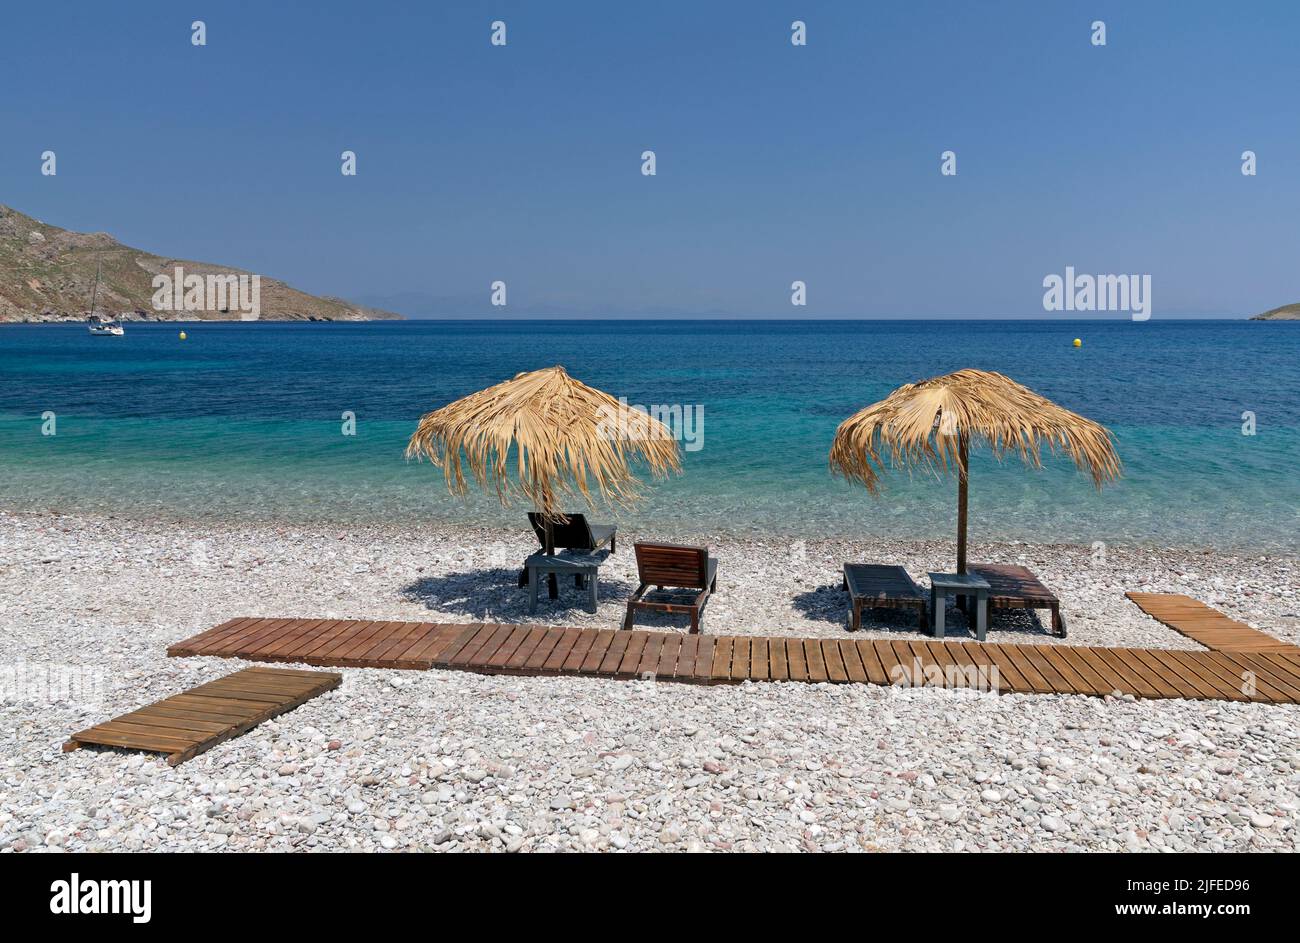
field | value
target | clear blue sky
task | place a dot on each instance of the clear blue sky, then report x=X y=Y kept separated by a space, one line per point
x=775 y=163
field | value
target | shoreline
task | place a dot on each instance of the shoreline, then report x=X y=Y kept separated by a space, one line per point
x=377 y=528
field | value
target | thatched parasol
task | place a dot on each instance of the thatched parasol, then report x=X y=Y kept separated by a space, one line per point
x=933 y=423
x=566 y=437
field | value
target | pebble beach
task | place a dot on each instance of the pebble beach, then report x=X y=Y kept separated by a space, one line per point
x=424 y=760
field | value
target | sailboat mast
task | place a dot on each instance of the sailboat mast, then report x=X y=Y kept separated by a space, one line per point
x=94 y=293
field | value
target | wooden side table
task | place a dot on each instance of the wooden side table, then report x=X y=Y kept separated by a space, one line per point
x=943 y=585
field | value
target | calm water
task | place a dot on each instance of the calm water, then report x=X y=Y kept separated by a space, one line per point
x=243 y=421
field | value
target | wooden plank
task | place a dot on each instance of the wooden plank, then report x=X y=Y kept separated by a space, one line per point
x=486 y=644
x=834 y=662
x=345 y=646
x=759 y=669
x=964 y=673
x=307 y=628
x=107 y=735
x=667 y=666
x=467 y=633
x=600 y=643
x=704 y=658
x=1263 y=689
x=627 y=668
x=852 y=661
x=1035 y=656
x=415 y=639
x=1264 y=667
x=876 y=673
x=316 y=641
x=895 y=671
x=1076 y=670
x=205 y=642
x=614 y=654
x=1225 y=679
x=649 y=666
x=175 y=711
x=198 y=641
x=812 y=653
x=1161 y=673
x=778 y=665
x=1215 y=685
x=686 y=657
x=423 y=654
x=1008 y=673
x=276 y=631
x=581 y=647
x=721 y=670
x=1133 y=682
x=795 y=660
x=1109 y=679
x=545 y=648
x=1016 y=654
x=740 y=653
x=387 y=646
x=515 y=637
x=234 y=641
x=559 y=652
x=253 y=646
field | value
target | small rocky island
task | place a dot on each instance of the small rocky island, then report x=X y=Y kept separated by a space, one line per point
x=1284 y=313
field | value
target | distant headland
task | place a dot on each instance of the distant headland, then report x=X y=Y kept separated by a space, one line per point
x=48 y=274
x=1284 y=313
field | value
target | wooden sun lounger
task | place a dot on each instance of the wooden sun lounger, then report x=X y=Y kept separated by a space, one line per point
x=874 y=585
x=1015 y=587
x=669 y=566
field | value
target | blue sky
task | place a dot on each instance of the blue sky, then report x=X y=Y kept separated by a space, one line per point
x=775 y=163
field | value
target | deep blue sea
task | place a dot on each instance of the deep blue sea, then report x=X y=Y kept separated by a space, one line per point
x=244 y=421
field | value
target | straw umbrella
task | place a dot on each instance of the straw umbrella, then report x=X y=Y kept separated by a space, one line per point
x=932 y=424
x=568 y=439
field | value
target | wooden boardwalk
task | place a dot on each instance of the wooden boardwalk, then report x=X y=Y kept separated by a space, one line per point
x=185 y=725
x=1208 y=626
x=542 y=650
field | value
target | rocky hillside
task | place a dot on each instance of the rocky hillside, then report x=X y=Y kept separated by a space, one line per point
x=47 y=273
x=1284 y=313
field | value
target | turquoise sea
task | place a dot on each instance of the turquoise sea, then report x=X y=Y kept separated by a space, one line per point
x=244 y=421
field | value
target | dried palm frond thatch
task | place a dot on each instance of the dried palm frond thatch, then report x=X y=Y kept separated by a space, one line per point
x=932 y=424
x=567 y=439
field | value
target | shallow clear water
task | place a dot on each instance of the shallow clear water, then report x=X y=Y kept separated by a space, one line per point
x=243 y=421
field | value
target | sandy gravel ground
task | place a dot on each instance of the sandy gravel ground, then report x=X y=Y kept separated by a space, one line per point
x=452 y=761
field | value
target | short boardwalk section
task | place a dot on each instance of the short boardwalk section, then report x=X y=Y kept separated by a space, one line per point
x=1210 y=627
x=185 y=725
x=492 y=648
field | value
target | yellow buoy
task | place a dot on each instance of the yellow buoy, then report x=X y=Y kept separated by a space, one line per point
x=183 y=337
x=1077 y=342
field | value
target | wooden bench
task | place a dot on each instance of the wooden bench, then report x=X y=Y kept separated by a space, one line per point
x=1012 y=586
x=875 y=585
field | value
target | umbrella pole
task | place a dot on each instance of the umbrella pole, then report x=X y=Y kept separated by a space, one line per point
x=963 y=482
x=552 y=585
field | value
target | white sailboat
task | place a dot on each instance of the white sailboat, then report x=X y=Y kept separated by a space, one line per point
x=97 y=325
